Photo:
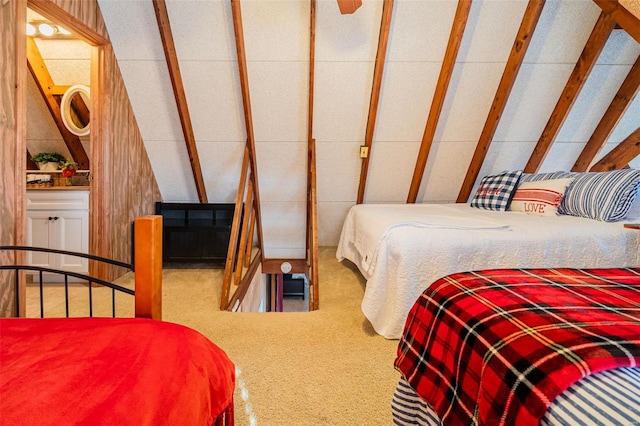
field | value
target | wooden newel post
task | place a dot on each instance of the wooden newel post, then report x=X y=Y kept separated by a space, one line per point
x=148 y=267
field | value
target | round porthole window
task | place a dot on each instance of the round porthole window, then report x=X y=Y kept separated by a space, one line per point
x=74 y=109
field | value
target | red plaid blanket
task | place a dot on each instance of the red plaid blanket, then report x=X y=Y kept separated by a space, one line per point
x=496 y=347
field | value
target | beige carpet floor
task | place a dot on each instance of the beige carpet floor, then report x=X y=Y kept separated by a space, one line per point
x=326 y=367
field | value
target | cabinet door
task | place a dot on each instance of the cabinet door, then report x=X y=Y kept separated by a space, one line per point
x=72 y=227
x=41 y=233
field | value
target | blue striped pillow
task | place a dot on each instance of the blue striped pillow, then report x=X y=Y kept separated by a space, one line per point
x=605 y=196
x=536 y=177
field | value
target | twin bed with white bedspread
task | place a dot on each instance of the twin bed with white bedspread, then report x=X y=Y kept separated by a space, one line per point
x=402 y=248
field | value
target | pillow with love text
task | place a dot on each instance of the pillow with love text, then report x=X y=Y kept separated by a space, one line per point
x=540 y=198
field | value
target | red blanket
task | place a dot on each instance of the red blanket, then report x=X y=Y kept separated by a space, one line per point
x=90 y=371
x=496 y=347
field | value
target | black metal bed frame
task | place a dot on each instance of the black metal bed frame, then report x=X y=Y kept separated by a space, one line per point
x=66 y=274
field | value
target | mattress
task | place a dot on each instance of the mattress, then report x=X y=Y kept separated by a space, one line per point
x=120 y=371
x=401 y=249
x=606 y=398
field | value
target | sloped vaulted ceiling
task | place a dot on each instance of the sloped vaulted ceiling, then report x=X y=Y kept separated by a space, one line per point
x=276 y=37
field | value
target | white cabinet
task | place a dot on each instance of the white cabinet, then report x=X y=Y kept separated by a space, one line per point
x=58 y=219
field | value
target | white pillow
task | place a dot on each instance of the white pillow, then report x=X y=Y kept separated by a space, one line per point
x=540 y=198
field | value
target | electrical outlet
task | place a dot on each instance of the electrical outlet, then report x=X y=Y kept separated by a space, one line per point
x=364 y=151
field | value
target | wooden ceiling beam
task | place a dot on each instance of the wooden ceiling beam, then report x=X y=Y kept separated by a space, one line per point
x=624 y=17
x=610 y=119
x=621 y=155
x=578 y=77
x=236 y=11
x=164 y=26
x=516 y=57
x=43 y=80
x=378 y=71
x=448 y=64
x=59 y=90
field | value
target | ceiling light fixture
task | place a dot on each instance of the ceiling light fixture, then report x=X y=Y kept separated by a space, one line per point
x=46 y=29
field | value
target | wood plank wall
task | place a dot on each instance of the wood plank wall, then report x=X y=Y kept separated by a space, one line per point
x=7 y=150
x=124 y=185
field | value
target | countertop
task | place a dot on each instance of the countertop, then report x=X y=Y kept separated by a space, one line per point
x=58 y=188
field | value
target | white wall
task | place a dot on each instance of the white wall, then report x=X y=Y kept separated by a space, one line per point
x=277 y=50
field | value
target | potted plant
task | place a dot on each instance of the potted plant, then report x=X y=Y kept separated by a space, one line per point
x=48 y=160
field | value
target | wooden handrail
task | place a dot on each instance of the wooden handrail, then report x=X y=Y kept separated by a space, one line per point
x=248 y=202
x=235 y=231
x=148 y=267
x=314 y=295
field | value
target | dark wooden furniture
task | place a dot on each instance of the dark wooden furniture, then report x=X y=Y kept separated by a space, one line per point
x=195 y=232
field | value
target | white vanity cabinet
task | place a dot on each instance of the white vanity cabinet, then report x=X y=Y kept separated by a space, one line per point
x=58 y=219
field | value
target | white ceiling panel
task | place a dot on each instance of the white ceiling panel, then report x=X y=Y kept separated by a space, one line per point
x=279 y=99
x=330 y=219
x=67 y=72
x=202 y=30
x=594 y=99
x=471 y=91
x=390 y=171
x=628 y=123
x=561 y=156
x=213 y=93
x=63 y=49
x=221 y=163
x=282 y=171
x=149 y=88
x=341 y=100
x=171 y=166
x=491 y=30
x=443 y=175
x=620 y=49
x=505 y=156
x=284 y=228
x=420 y=30
x=133 y=29
x=562 y=31
x=276 y=30
x=405 y=100
x=338 y=171
x=532 y=100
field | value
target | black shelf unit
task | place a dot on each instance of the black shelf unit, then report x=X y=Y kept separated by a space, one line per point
x=193 y=232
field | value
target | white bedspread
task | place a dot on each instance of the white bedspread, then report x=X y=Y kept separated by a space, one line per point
x=402 y=248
